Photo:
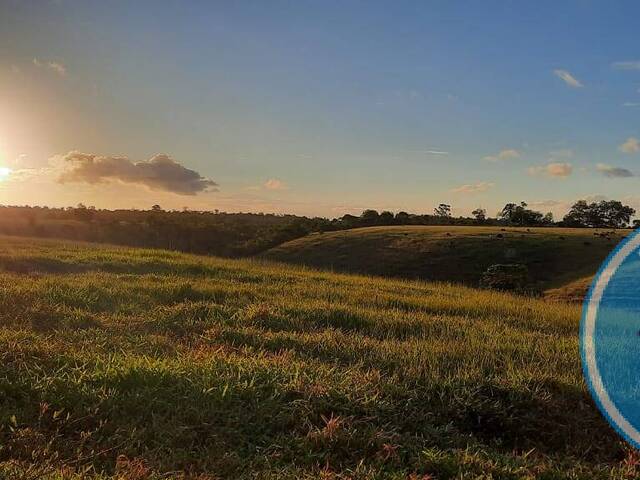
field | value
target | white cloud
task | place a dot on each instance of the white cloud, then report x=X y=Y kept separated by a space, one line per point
x=554 y=169
x=505 y=154
x=274 y=184
x=613 y=172
x=631 y=104
x=568 y=78
x=627 y=65
x=56 y=67
x=436 y=152
x=473 y=187
x=631 y=145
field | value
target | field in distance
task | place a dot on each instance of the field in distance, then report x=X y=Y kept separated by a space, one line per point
x=131 y=363
x=555 y=257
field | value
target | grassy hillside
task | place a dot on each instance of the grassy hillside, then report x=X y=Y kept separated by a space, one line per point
x=575 y=291
x=123 y=363
x=555 y=256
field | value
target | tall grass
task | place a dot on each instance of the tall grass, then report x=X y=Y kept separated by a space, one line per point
x=125 y=363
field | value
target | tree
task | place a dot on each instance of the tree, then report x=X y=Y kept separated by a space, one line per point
x=480 y=215
x=156 y=208
x=386 y=218
x=82 y=213
x=520 y=215
x=547 y=219
x=579 y=215
x=614 y=214
x=443 y=210
x=602 y=214
x=369 y=217
x=349 y=221
x=402 y=218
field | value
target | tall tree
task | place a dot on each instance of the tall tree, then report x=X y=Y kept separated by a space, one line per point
x=602 y=214
x=443 y=210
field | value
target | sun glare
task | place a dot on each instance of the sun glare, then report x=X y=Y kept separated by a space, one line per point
x=4 y=173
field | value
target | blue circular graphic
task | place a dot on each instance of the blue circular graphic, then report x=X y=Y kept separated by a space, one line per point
x=610 y=339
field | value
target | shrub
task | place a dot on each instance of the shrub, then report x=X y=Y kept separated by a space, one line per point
x=508 y=277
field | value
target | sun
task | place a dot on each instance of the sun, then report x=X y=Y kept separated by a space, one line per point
x=4 y=172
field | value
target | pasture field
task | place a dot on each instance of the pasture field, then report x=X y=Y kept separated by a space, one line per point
x=554 y=256
x=131 y=363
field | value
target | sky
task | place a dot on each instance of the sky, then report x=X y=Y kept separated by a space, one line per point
x=319 y=107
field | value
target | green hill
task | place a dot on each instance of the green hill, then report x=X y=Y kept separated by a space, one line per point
x=125 y=363
x=554 y=256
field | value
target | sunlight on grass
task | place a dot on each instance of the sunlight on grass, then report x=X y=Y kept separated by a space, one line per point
x=120 y=362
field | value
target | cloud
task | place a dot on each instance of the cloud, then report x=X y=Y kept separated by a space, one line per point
x=160 y=172
x=274 y=184
x=554 y=169
x=503 y=155
x=631 y=145
x=436 y=152
x=627 y=65
x=56 y=67
x=473 y=187
x=568 y=78
x=613 y=172
x=547 y=204
x=631 y=104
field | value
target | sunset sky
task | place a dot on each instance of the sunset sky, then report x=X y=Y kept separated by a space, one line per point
x=319 y=107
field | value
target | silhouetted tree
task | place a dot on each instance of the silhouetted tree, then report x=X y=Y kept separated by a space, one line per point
x=547 y=219
x=402 y=218
x=349 y=221
x=443 y=210
x=603 y=214
x=369 y=217
x=520 y=215
x=480 y=215
x=386 y=218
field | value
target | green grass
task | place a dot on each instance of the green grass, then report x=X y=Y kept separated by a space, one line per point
x=554 y=256
x=125 y=363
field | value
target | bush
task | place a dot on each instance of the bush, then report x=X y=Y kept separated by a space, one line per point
x=507 y=277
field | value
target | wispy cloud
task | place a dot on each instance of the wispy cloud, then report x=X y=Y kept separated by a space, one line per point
x=473 y=187
x=631 y=145
x=613 y=172
x=631 y=104
x=568 y=78
x=547 y=203
x=274 y=184
x=54 y=66
x=627 y=65
x=554 y=169
x=505 y=154
x=436 y=152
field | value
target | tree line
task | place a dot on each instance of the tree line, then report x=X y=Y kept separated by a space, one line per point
x=245 y=234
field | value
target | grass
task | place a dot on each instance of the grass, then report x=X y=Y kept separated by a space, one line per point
x=574 y=291
x=130 y=363
x=554 y=256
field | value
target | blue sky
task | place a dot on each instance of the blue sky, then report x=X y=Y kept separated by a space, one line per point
x=325 y=107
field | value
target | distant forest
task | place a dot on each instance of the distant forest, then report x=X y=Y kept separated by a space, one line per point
x=245 y=234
